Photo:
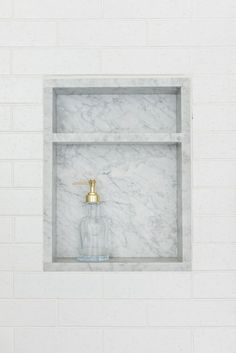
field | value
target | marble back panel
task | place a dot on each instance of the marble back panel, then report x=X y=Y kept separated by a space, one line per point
x=138 y=184
x=116 y=113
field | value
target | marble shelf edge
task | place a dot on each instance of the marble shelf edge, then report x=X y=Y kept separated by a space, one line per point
x=117 y=138
x=69 y=265
x=157 y=84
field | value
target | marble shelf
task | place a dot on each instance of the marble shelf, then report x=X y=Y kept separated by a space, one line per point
x=133 y=135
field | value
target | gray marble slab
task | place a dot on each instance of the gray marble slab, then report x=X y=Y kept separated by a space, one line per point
x=116 y=113
x=139 y=186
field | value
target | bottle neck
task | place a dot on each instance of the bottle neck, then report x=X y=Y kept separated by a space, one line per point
x=93 y=210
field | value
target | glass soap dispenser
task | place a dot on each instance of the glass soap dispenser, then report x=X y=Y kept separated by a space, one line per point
x=94 y=243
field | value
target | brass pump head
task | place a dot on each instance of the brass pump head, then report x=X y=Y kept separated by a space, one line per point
x=92 y=196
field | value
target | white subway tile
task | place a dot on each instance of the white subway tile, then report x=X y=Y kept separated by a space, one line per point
x=214 y=8
x=20 y=202
x=214 y=201
x=28 y=312
x=4 y=59
x=214 y=285
x=6 y=257
x=57 y=8
x=27 y=257
x=27 y=118
x=214 y=256
x=146 y=8
x=214 y=228
x=215 y=340
x=214 y=173
x=56 y=61
x=21 y=146
x=218 y=145
x=5 y=174
x=5 y=118
x=7 y=339
x=147 y=339
x=28 y=229
x=6 y=229
x=146 y=61
x=148 y=285
x=20 y=90
x=213 y=60
x=6 y=286
x=24 y=33
x=192 y=32
x=192 y=313
x=102 y=33
x=58 y=285
x=5 y=8
x=214 y=117
x=21 y=257
x=28 y=174
x=214 y=88
x=60 y=340
x=102 y=313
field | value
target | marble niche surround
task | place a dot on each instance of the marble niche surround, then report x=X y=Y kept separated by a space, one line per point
x=132 y=134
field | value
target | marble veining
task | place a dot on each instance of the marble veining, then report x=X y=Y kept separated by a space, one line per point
x=139 y=186
x=116 y=113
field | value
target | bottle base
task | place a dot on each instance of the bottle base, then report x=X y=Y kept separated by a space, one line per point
x=93 y=258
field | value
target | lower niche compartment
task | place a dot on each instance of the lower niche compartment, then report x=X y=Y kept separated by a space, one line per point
x=139 y=186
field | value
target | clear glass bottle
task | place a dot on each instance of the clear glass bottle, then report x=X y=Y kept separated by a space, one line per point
x=94 y=242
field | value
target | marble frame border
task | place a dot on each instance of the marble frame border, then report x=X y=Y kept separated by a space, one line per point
x=72 y=84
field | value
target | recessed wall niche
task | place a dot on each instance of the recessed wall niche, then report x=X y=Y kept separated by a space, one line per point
x=133 y=136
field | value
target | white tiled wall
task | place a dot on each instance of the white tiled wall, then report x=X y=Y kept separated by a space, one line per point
x=171 y=312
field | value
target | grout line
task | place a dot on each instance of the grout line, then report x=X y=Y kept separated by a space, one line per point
x=103 y=339
x=22 y=132
x=213 y=187
x=11 y=61
x=14 y=339
x=57 y=312
x=13 y=285
x=18 y=298
x=103 y=285
x=146 y=32
x=102 y=10
x=13 y=222
x=110 y=328
x=125 y=300
x=191 y=286
x=96 y=73
x=100 y=56
x=57 y=34
x=11 y=119
x=127 y=46
x=12 y=175
x=99 y=18
x=192 y=340
x=21 y=187
x=139 y=327
x=18 y=243
x=12 y=9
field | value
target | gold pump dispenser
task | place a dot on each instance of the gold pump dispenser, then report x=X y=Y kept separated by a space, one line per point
x=92 y=196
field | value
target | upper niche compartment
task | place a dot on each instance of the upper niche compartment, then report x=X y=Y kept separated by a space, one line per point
x=116 y=110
